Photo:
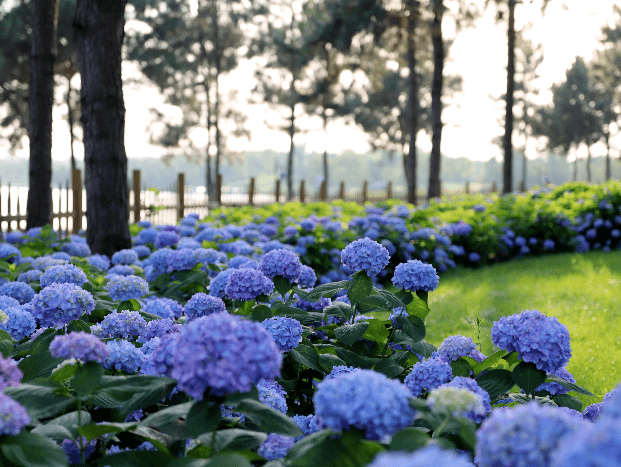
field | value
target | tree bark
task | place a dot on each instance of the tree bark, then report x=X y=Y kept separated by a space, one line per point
x=99 y=36
x=325 y=148
x=588 y=162
x=41 y=102
x=435 y=188
x=507 y=172
x=291 y=147
x=70 y=122
x=218 y=64
x=607 y=155
x=409 y=160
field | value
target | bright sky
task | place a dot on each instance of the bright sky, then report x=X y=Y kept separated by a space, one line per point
x=569 y=28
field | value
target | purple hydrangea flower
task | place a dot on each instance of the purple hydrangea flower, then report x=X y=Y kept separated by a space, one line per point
x=10 y=374
x=161 y=359
x=428 y=375
x=286 y=332
x=20 y=291
x=123 y=356
x=125 y=324
x=124 y=257
x=309 y=424
x=81 y=346
x=166 y=238
x=63 y=274
x=592 y=412
x=159 y=260
x=275 y=446
x=164 y=308
x=13 y=416
x=415 y=275
x=429 y=456
x=237 y=262
x=20 y=324
x=223 y=353
x=247 y=284
x=283 y=263
x=612 y=404
x=218 y=284
x=59 y=304
x=127 y=287
x=351 y=400
x=593 y=445
x=522 y=436
x=537 y=338
x=202 y=304
x=365 y=255
x=158 y=328
x=147 y=235
x=454 y=347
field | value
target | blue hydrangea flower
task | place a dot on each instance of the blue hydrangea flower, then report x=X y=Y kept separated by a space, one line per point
x=59 y=304
x=429 y=456
x=79 y=249
x=9 y=253
x=120 y=270
x=471 y=385
x=166 y=238
x=159 y=260
x=286 y=332
x=247 y=284
x=30 y=276
x=223 y=353
x=308 y=278
x=218 y=284
x=125 y=324
x=593 y=411
x=555 y=388
x=474 y=257
x=147 y=235
x=20 y=291
x=123 y=356
x=202 y=304
x=124 y=257
x=20 y=324
x=127 y=287
x=612 y=404
x=164 y=308
x=415 y=275
x=205 y=255
x=275 y=446
x=548 y=244
x=158 y=328
x=522 y=436
x=160 y=361
x=99 y=261
x=182 y=259
x=454 y=347
x=593 y=445
x=339 y=370
x=537 y=338
x=365 y=255
x=273 y=395
x=283 y=263
x=479 y=208
x=81 y=346
x=142 y=251
x=428 y=375
x=72 y=450
x=13 y=416
x=10 y=374
x=7 y=302
x=309 y=424
x=63 y=274
x=238 y=261
x=351 y=400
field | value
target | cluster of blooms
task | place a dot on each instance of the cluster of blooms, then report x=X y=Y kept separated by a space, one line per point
x=275 y=446
x=76 y=248
x=282 y=263
x=537 y=338
x=365 y=255
x=63 y=274
x=201 y=304
x=123 y=356
x=127 y=287
x=80 y=346
x=10 y=374
x=127 y=257
x=247 y=284
x=286 y=332
x=59 y=304
x=457 y=401
x=13 y=416
x=158 y=328
x=415 y=275
x=350 y=400
x=163 y=307
x=273 y=395
x=20 y=324
x=20 y=291
x=428 y=375
x=454 y=347
x=430 y=456
x=32 y=275
x=125 y=324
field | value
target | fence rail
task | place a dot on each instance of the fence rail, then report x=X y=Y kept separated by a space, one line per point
x=167 y=207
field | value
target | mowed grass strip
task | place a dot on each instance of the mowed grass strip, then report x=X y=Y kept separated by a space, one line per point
x=581 y=290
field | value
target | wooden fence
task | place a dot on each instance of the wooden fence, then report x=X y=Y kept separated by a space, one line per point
x=167 y=207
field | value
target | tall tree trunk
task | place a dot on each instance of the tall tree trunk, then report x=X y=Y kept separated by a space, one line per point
x=218 y=66
x=526 y=127
x=325 y=148
x=409 y=161
x=435 y=188
x=209 y=179
x=290 y=156
x=588 y=162
x=607 y=155
x=70 y=121
x=99 y=36
x=575 y=175
x=507 y=172
x=40 y=102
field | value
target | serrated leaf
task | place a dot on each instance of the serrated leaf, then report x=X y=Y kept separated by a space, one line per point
x=170 y=420
x=511 y=358
x=565 y=400
x=261 y=313
x=87 y=378
x=489 y=361
x=234 y=439
x=31 y=450
x=204 y=416
x=350 y=333
x=281 y=285
x=353 y=359
x=376 y=332
x=94 y=430
x=340 y=309
x=329 y=361
x=409 y=440
x=268 y=419
x=326 y=290
x=528 y=377
x=412 y=326
x=460 y=367
x=40 y=401
x=307 y=356
x=389 y=368
x=568 y=385
x=136 y=459
x=360 y=287
x=391 y=299
x=496 y=382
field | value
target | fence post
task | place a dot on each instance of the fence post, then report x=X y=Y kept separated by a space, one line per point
x=389 y=190
x=323 y=191
x=181 y=195
x=137 y=200
x=8 y=200
x=302 y=192
x=342 y=191
x=251 y=192
x=494 y=189
x=277 y=190
x=76 y=188
x=365 y=191
x=219 y=189
x=522 y=187
x=467 y=189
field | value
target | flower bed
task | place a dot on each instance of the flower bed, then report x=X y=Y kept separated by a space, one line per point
x=295 y=337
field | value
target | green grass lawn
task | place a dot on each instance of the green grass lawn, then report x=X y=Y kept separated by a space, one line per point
x=581 y=290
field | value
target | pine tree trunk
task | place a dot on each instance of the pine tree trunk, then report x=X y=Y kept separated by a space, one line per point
x=507 y=172
x=218 y=56
x=409 y=161
x=435 y=189
x=290 y=156
x=99 y=37
x=70 y=121
x=41 y=101
x=325 y=148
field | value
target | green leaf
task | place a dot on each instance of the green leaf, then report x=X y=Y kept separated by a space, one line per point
x=234 y=439
x=327 y=290
x=460 y=367
x=340 y=309
x=282 y=285
x=353 y=359
x=204 y=416
x=77 y=325
x=38 y=365
x=307 y=356
x=170 y=420
x=424 y=296
x=329 y=361
x=87 y=378
x=391 y=299
x=372 y=303
x=489 y=361
x=423 y=348
x=125 y=305
x=135 y=304
x=511 y=358
x=360 y=287
x=376 y=332
x=496 y=382
x=528 y=377
x=40 y=401
x=409 y=440
x=268 y=419
x=93 y=431
x=568 y=385
x=565 y=400
x=412 y=326
x=219 y=460
x=30 y=450
x=389 y=368
x=418 y=307
x=286 y=310
x=6 y=347
x=350 y=333
x=261 y=313
x=136 y=459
